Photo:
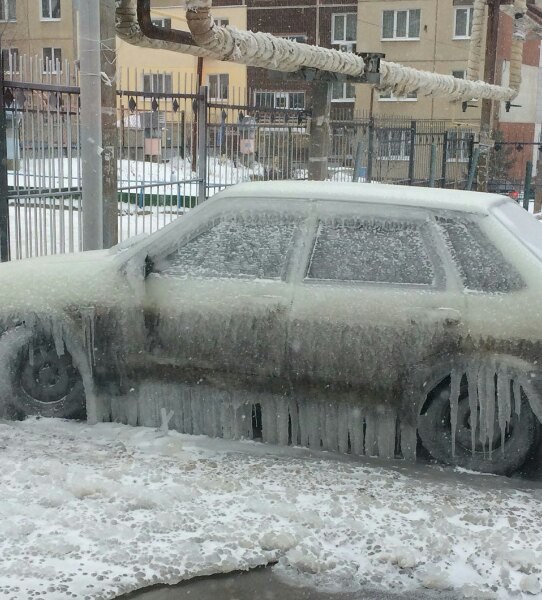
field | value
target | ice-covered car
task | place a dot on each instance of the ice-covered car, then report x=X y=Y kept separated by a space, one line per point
x=359 y=318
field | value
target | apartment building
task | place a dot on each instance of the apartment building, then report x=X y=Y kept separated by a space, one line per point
x=42 y=29
x=163 y=71
x=328 y=23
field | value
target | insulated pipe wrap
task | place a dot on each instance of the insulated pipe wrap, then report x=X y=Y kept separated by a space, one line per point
x=477 y=35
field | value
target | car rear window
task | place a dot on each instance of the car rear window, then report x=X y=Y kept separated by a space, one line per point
x=482 y=266
x=250 y=246
x=371 y=250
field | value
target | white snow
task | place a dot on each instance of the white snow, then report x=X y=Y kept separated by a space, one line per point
x=91 y=512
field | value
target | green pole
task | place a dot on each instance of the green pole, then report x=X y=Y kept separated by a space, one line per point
x=527 y=187
x=432 y=165
x=473 y=167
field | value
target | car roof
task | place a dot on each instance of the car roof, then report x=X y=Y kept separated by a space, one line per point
x=367 y=193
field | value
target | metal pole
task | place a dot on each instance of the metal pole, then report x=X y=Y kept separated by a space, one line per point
x=109 y=123
x=202 y=142
x=527 y=187
x=320 y=130
x=357 y=162
x=370 y=150
x=412 y=157
x=473 y=168
x=91 y=124
x=444 y=159
x=433 y=165
x=4 y=201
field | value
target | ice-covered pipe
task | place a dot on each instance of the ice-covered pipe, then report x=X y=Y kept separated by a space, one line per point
x=518 y=39
x=270 y=52
x=476 y=38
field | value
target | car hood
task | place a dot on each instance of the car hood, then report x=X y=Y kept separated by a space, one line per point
x=51 y=283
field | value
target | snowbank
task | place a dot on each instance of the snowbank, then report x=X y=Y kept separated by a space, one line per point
x=91 y=512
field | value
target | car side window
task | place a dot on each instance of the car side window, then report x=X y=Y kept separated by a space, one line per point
x=250 y=246
x=371 y=250
x=482 y=266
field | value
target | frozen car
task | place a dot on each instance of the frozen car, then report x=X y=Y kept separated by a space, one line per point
x=367 y=319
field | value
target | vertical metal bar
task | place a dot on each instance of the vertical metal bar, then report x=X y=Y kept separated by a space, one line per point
x=527 y=187
x=370 y=150
x=4 y=191
x=433 y=165
x=412 y=157
x=357 y=161
x=202 y=142
x=474 y=167
x=445 y=159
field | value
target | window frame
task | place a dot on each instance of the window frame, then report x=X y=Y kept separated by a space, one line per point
x=345 y=15
x=50 y=4
x=11 y=52
x=393 y=98
x=219 y=97
x=49 y=66
x=404 y=144
x=164 y=77
x=422 y=220
x=344 y=97
x=275 y=94
x=222 y=21
x=458 y=142
x=395 y=37
x=470 y=12
x=163 y=22
x=6 y=6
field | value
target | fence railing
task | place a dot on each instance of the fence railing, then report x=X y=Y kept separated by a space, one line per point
x=160 y=153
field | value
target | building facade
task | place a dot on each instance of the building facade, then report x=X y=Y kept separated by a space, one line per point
x=327 y=23
x=43 y=30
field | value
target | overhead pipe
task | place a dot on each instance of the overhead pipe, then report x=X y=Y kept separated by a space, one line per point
x=270 y=52
x=476 y=39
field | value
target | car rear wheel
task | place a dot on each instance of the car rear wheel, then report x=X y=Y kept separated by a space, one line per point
x=508 y=451
x=38 y=378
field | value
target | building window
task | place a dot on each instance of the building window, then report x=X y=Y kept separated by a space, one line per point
x=7 y=10
x=10 y=60
x=218 y=86
x=221 y=21
x=458 y=146
x=50 y=9
x=394 y=144
x=344 y=28
x=459 y=74
x=463 y=23
x=300 y=38
x=289 y=100
x=390 y=97
x=343 y=92
x=401 y=24
x=163 y=23
x=158 y=83
x=52 y=60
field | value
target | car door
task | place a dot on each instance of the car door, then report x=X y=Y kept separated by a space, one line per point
x=375 y=297
x=217 y=305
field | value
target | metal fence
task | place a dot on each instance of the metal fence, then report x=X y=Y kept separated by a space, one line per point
x=163 y=137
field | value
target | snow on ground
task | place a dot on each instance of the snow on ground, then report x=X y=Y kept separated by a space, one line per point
x=91 y=512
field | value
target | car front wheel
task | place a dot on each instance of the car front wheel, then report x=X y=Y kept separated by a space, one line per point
x=38 y=378
x=501 y=451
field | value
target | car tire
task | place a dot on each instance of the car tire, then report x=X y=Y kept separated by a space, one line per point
x=38 y=380
x=435 y=432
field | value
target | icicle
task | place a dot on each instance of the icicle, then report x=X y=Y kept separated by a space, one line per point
x=482 y=403
x=342 y=427
x=517 y=397
x=386 y=435
x=371 y=442
x=357 y=438
x=472 y=380
x=455 y=385
x=503 y=403
x=88 y=315
x=282 y=421
x=31 y=352
x=490 y=410
x=56 y=329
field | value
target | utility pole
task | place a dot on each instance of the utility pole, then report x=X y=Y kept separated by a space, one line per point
x=98 y=123
x=319 y=141
x=486 y=119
